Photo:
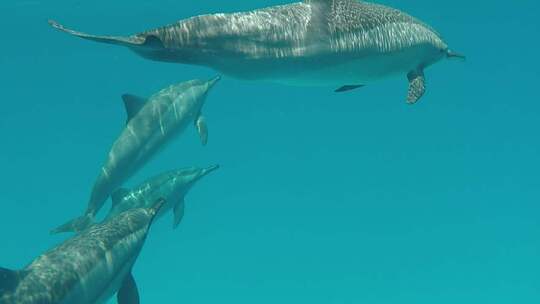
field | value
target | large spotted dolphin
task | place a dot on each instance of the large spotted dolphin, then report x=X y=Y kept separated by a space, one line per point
x=341 y=43
x=86 y=269
x=152 y=124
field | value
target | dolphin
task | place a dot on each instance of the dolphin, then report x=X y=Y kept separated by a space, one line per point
x=172 y=186
x=150 y=126
x=86 y=269
x=341 y=43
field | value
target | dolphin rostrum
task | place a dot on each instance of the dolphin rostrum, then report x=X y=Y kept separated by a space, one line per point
x=151 y=124
x=86 y=269
x=341 y=43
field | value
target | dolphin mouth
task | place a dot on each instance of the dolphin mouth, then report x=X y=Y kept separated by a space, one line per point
x=210 y=169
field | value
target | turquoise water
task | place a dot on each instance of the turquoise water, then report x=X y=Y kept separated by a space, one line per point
x=321 y=197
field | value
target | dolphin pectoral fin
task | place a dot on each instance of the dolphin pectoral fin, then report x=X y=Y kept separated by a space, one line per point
x=133 y=105
x=346 y=88
x=9 y=279
x=128 y=293
x=76 y=225
x=125 y=41
x=178 y=213
x=417 y=86
x=202 y=129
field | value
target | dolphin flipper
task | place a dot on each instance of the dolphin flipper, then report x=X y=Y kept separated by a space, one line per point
x=128 y=293
x=125 y=41
x=202 y=129
x=178 y=213
x=417 y=86
x=76 y=225
x=346 y=88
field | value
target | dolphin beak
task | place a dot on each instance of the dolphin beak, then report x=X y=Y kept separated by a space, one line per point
x=213 y=81
x=209 y=170
x=453 y=55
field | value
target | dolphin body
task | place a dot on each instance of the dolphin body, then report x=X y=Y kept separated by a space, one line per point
x=172 y=186
x=151 y=125
x=86 y=269
x=341 y=43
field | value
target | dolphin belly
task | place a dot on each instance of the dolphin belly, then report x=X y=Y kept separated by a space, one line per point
x=328 y=70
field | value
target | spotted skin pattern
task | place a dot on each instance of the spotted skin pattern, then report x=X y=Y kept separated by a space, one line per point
x=87 y=268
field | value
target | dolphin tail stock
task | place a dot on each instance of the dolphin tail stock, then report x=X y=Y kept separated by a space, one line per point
x=131 y=41
x=76 y=225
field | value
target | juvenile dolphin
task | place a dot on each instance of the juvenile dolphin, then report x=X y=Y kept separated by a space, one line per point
x=341 y=43
x=151 y=125
x=86 y=269
x=172 y=186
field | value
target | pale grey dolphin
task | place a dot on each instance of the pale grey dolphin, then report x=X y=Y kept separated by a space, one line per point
x=86 y=269
x=341 y=43
x=151 y=125
x=173 y=186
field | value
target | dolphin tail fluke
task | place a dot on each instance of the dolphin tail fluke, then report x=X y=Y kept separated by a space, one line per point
x=76 y=225
x=125 y=41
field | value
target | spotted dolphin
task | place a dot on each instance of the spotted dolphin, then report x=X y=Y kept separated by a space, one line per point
x=151 y=125
x=86 y=269
x=341 y=43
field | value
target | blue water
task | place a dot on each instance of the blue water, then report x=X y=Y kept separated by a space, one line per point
x=321 y=197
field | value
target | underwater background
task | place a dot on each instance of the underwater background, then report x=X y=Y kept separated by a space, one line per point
x=321 y=197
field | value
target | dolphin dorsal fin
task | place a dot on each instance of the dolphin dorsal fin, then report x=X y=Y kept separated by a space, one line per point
x=325 y=3
x=319 y=23
x=133 y=104
x=9 y=279
x=118 y=195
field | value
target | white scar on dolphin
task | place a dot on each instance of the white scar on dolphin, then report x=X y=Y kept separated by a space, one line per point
x=86 y=269
x=151 y=125
x=341 y=43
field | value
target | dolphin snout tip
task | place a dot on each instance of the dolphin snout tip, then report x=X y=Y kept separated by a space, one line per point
x=214 y=80
x=211 y=168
